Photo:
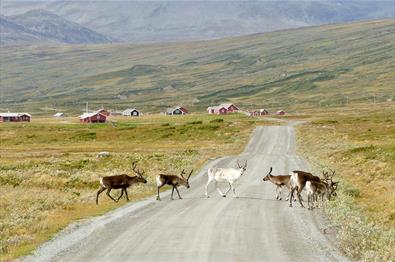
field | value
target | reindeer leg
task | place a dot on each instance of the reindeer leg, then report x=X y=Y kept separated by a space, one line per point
x=234 y=191
x=121 y=194
x=178 y=193
x=280 y=189
x=219 y=190
x=126 y=193
x=158 y=196
x=172 y=191
x=300 y=198
x=206 y=193
x=108 y=194
x=98 y=193
x=230 y=187
x=291 y=196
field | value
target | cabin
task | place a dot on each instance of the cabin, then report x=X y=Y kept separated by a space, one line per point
x=15 y=117
x=280 y=112
x=94 y=117
x=59 y=115
x=217 y=110
x=229 y=107
x=260 y=112
x=131 y=112
x=103 y=111
x=179 y=110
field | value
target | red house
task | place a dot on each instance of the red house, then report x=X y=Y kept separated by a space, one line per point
x=15 y=117
x=94 y=117
x=229 y=107
x=280 y=112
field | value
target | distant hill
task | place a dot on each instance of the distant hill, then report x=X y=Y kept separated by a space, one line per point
x=12 y=33
x=169 y=20
x=310 y=67
x=40 y=26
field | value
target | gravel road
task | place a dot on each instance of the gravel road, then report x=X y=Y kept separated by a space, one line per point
x=253 y=227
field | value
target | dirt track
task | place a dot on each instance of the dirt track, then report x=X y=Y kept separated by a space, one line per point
x=253 y=227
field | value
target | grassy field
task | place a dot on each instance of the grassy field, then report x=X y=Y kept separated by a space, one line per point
x=359 y=143
x=49 y=171
x=294 y=69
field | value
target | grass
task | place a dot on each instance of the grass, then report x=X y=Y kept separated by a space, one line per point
x=49 y=171
x=292 y=70
x=358 y=142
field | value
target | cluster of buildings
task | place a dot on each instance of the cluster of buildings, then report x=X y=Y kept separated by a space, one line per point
x=100 y=116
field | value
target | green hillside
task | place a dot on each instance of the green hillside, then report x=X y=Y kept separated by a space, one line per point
x=318 y=66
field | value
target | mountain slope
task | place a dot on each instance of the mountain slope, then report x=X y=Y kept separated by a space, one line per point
x=309 y=67
x=141 y=21
x=12 y=33
x=37 y=26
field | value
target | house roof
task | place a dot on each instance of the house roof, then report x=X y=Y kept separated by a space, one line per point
x=86 y=115
x=14 y=114
x=171 y=110
x=227 y=105
x=128 y=110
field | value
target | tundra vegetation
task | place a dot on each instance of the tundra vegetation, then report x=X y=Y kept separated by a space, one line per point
x=49 y=170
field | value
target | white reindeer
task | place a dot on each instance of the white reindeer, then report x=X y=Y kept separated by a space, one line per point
x=229 y=175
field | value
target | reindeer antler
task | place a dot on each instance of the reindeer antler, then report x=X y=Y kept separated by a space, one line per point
x=238 y=164
x=137 y=171
x=182 y=173
x=270 y=172
x=190 y=174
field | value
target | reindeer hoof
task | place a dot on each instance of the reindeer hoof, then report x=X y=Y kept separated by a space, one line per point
x=207 y=196
x=280 y=198
x=223 y=195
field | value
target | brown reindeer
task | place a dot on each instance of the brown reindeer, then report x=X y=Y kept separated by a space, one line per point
x=174 y=181
x=298 y=182
x=326 y=188
x=120 y=182
x=279 y=182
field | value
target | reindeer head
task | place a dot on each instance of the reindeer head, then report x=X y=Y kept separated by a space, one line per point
x=266 y=178
x=332 y=185
x=185 y=181
x=242 y=168
x=139 y=174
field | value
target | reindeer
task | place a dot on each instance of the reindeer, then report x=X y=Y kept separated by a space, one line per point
x=325 y=188
x=120 y=181
x=229 y=175
x=279 y=182
x=298 y=182
x=173 y=181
